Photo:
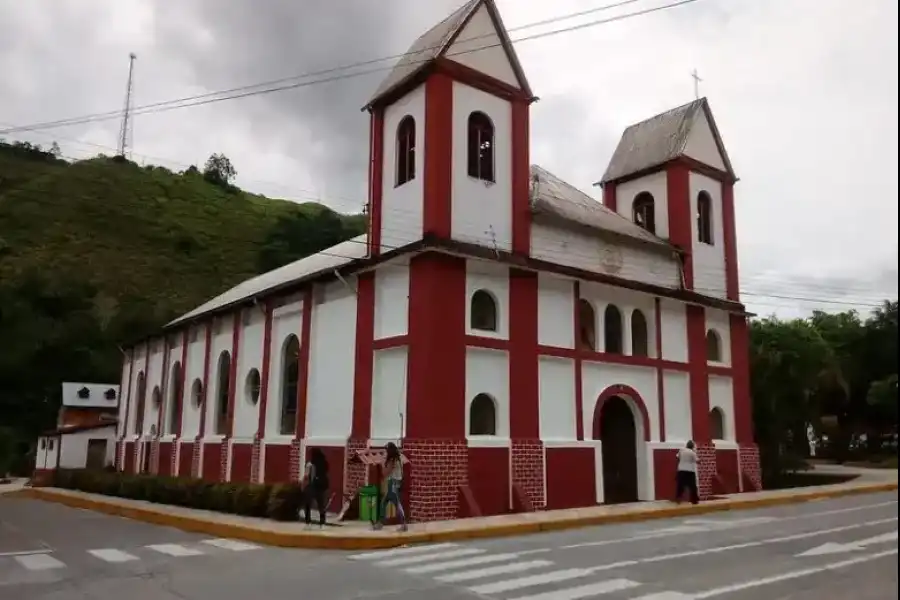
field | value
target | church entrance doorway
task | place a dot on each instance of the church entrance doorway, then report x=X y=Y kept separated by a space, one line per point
x=617 y=430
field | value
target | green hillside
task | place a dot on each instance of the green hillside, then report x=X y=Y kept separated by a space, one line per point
x=100 y=251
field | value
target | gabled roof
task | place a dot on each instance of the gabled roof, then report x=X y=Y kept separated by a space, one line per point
x=662 y=138
x=435 y=42
x=551 y=195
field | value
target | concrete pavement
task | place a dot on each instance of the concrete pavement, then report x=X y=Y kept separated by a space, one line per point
x=843 y=548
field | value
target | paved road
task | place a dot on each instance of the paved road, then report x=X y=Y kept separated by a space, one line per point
x=821 y=550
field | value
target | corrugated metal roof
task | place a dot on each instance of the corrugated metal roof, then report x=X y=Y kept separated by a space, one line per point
x=660 y=139
x=552 y=195
x=332 y=258
x=437 y=40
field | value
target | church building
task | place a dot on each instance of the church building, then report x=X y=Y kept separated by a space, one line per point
x=527 y=346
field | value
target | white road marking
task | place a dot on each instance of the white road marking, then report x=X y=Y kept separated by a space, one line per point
x=737 y=587
x=835 y=548
x=585 y=591
x=23 y=553
x=753 y=544
x=174 y=550
x=39 y=562
x=411 y=560
x=379 y=554
x=672 y=531
x=465 y=562
x=523 y=582
x=492 y=571
x=666 y=596
x=231 y=544
x=112 y=555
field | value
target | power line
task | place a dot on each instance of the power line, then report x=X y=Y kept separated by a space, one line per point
x=250 y=90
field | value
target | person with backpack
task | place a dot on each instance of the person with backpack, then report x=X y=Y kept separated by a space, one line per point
x=393 y=478
x=316 y=478
x=686 y=477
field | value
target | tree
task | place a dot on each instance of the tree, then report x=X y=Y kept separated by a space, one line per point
x=301 y=235
x=55 y=150
x=219 y=170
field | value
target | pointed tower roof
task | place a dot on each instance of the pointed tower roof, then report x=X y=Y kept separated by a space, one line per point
x=436 y=42
x=663 y=138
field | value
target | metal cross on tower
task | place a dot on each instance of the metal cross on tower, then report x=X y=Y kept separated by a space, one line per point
x=697 y=81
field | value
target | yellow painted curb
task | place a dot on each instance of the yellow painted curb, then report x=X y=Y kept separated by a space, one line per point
x=389 y=540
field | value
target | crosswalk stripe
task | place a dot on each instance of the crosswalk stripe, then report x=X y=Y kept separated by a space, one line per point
x=584 y=591
x=174 y=550
x=112 y=555
x=465 y=562
x=39 y=562
x=227 y=544
x=411 y=560
x=379 y=554
x=491 y=571
x=666 y=596
x=523 y=582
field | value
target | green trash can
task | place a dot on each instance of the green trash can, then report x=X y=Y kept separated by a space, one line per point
x=368 y=503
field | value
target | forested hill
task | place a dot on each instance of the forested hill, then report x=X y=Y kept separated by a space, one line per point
x=101 y=250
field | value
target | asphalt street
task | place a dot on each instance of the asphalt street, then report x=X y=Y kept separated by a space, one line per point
x=838 y=549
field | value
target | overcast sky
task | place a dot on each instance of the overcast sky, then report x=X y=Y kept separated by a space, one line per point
x=804 y=93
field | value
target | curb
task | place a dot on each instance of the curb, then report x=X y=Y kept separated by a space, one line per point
x=360 y=542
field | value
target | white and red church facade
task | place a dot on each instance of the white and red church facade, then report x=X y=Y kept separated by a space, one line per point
x=527 y=346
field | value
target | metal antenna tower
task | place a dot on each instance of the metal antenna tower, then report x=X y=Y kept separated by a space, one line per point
x=126 y=134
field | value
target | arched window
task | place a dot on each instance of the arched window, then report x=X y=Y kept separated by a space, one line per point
x=141 y=401
x=717 y=424
x=197 y=393
x=612 y=329
x=481 y=147
x=483 y=311
x=587 y=326
x=156 y=397
x=406 y=150
x=713 y=346
x=173 y=406
x=643 y=211
x=252 y=387
x=482 y=416
x=704 y=219
x=290 y=375
x=639 y=334
x=223 y=379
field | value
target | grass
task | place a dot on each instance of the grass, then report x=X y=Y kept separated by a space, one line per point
x=131 y=231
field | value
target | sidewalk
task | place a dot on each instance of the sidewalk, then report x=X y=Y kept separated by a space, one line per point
x=358 y=536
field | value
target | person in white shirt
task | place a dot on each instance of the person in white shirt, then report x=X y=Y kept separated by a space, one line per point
x=686 y=477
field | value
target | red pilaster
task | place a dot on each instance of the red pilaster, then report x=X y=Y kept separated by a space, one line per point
x=438 y=155
x=579 y=384
x=264 y=376
x=732 y=284
x=523 y=355
x=610 y=200
x=163 y=385
x=185 y=340
x=376 y=179
x=303 y=369
x=521 y=169
x=681 y=216
x=236 y=326
x=365 y=334
x=204 y=396
x=436 y=376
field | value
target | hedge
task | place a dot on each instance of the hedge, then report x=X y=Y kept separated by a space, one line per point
x=280 y=502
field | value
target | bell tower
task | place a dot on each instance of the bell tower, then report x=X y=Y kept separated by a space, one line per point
x=449 y=139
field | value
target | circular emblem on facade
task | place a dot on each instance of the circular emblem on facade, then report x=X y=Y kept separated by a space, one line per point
x=611 y=259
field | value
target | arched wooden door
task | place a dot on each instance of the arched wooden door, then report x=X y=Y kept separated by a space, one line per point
x=616 y=429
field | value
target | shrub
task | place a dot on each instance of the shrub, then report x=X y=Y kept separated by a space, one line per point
x=280 y=501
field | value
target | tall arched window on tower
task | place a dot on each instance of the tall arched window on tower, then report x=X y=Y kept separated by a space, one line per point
x=223 y=381
x=482 y=416
x=612 y=329
x=713 y=346
x=483 y=313
x=639 y=334
x=704 y=219
x=173 y=406
x=406 y=150
x=141 y=401
x=481 y=147
x=290 y=376
x=587 y=326
x=643 y=211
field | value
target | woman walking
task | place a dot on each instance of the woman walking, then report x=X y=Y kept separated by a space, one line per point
x=393 y=478
x=316 y=486
x=686 y=477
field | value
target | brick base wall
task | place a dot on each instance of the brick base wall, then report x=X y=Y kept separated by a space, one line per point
x=355 y=473
x=527 y=458
x=154 y=456
x=174 y=458
x=706 y=470
x=255 y=460
x=296 y=461
x=224 y=466
x=439 y=467
x=198 y=453
x=749 y=468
